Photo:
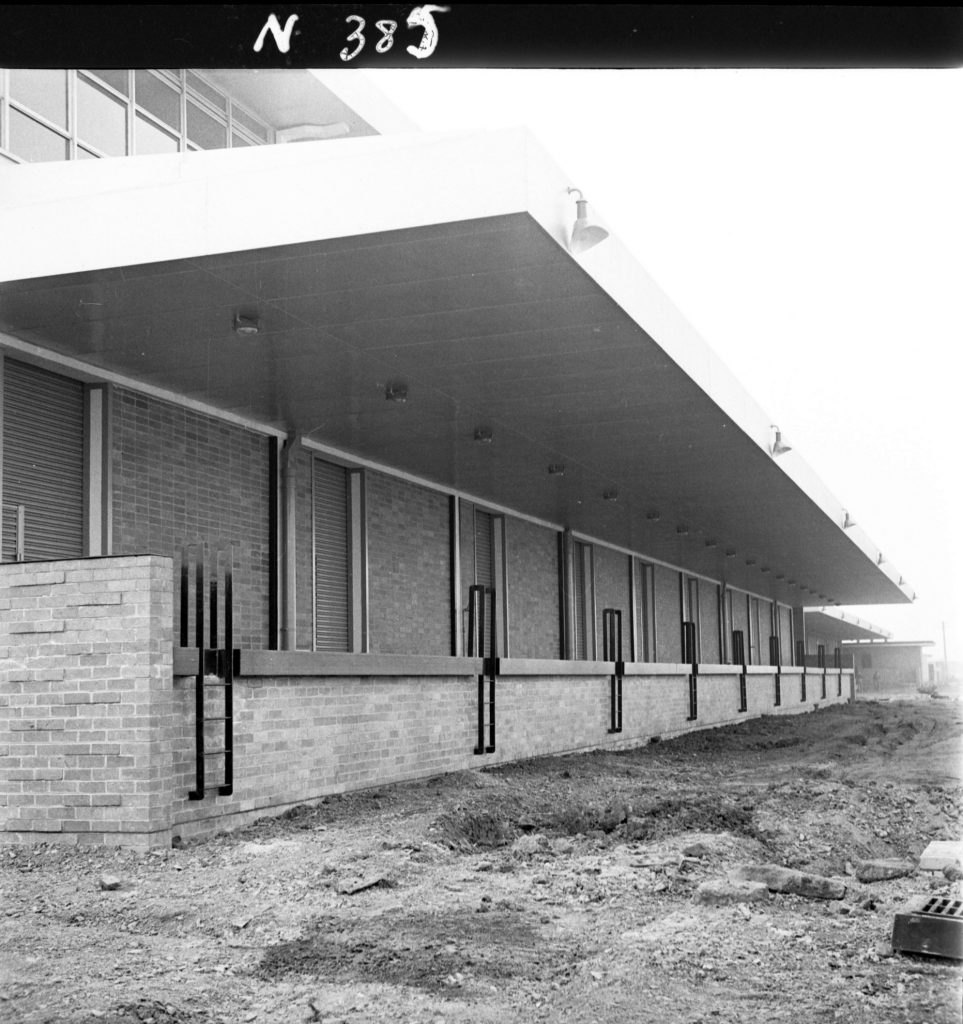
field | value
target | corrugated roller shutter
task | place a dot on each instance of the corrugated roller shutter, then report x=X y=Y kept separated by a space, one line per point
x=484 y=558
x=43 y=461
x=331 y=588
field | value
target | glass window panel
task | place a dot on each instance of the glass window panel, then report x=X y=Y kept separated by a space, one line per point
x=101 y=119
x=157 y=98
x=43 y=91
x=238 y=140
x=245 y=119
x=148 y=138
x=212 y=95
x=31 y=141
x=118 y=80
x=204 y=130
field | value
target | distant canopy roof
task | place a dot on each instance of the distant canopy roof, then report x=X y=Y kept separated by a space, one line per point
x=438 y=264
x=840 y=627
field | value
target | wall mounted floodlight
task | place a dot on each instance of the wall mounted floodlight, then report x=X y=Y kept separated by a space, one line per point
x=584 y=234
x=778 y=446
x=246 y=325
x=880 y=559
x=848 y=521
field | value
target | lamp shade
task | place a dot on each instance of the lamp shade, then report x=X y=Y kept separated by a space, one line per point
x=584 y=234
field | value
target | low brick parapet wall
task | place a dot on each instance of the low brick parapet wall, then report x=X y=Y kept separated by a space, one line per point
x=97 y=732
x=85 y=700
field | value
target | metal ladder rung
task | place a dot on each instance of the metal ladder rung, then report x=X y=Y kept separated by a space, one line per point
x=217 y=753
x=224 y=718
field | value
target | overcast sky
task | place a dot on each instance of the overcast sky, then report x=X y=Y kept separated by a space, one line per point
x=809 y=224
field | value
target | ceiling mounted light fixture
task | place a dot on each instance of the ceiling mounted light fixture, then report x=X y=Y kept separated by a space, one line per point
x=584 y=234
x=611 y=494
x=654 y=516
x=778 y=446
x=556 y=469
x=246 y=325
x=764 y=568
x=750 y=561
x=730 y=552
x=483 y=435
x=711 y=542
x=682 y=529
x=396 y=391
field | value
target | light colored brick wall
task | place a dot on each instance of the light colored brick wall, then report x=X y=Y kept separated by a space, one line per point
x=409 y=566
x=297 y=739
x=668 y=615
x=709 y=622
x=85 y=701
x=180 y=476
x=532 y=590
x=97 y=738
x=612 y=591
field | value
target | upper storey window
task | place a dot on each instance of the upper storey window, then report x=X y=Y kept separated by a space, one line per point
x=71 y=115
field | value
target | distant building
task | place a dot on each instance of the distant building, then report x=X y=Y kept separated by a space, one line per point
x=889 y=666
x=373 y=371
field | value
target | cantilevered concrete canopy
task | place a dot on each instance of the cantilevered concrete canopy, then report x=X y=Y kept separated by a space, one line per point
x=840 y=626
x=438 y=263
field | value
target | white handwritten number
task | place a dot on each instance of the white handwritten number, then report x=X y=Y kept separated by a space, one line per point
x=347 y=55
x=387 y=30
x=422 y=16
x=282 y=37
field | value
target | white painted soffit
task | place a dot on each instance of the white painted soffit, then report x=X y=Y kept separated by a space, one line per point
x=91 y=215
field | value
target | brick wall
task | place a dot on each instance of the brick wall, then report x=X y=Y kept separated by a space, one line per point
x=297 y=739
x=409 y=568
x=709 y=622
x=740 y=618
x=532 y=590
x=668 y=615
x=612 y=591
x=178 y=476
x=85 y=705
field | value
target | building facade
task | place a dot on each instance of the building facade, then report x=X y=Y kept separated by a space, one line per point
x=465 y=497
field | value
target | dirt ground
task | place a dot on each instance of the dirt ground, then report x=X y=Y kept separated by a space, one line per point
x=557 y=890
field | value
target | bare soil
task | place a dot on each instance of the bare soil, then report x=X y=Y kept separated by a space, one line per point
x=557 y=889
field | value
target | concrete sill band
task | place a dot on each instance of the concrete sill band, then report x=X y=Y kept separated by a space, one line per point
x=275 y=664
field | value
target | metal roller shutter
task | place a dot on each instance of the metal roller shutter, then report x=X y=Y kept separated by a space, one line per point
x=43 y=462
x=331 y=584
